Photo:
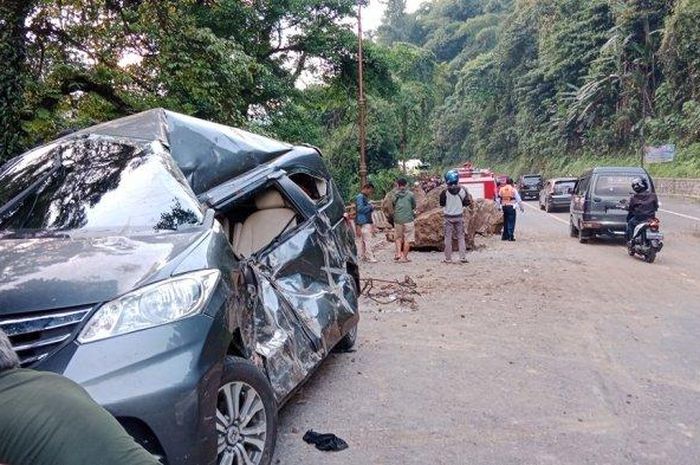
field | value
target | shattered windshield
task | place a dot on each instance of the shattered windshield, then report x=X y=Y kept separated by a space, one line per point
x=95 y=184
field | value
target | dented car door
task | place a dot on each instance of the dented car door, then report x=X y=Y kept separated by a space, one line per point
x=298 y=294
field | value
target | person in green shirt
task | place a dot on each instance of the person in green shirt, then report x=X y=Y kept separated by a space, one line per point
x=47 y=419
x=404 y=204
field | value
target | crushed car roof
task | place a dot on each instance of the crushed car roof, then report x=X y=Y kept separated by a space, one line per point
x=207 y=153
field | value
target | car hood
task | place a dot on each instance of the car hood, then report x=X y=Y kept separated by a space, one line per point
x=59 y=272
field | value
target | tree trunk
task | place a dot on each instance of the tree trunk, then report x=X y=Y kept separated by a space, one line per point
x=13 y=15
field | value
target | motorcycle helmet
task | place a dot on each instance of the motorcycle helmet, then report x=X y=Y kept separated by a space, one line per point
x=639 y=185
x=452 y=177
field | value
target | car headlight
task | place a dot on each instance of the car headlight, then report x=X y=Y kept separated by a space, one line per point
x=153 y=305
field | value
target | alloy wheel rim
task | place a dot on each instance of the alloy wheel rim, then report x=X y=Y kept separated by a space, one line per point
x=241 y=425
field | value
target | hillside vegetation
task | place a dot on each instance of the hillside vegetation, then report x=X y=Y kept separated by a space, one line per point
x=520 y=85
x=557 y=85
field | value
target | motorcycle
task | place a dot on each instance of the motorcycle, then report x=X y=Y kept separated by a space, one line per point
x=647 y=240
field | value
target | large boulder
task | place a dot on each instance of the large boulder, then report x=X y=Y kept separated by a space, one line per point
x=430 y=230
x=483 y=217
x=486 y=218
x=429 y=201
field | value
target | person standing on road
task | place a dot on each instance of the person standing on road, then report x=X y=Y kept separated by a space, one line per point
x=404 y=204
x=363 y=220
x=453 y=200
x=508 y=199
x=47 y=419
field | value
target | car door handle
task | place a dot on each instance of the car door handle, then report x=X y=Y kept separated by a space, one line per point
x=597 y=199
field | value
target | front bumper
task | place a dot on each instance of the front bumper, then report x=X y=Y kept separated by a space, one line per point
x=163 y=379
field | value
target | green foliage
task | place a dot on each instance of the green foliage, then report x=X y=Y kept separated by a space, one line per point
x=553 y=84
x=680 y=53
x=13 y=14
x=230 y=61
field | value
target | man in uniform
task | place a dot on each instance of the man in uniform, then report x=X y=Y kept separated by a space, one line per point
x=509 y=199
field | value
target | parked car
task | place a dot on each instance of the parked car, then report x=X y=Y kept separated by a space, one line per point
x=189 y=275
x=556 y=194
x=529 y=186
x=594 y=204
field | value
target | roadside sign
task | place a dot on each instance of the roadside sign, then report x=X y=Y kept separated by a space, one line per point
x=661 y=154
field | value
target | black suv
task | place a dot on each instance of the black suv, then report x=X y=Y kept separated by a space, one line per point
x=595 y=203
x=529 y=186
x=189 y=275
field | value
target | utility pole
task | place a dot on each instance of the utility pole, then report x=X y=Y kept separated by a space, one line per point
x=361 y=103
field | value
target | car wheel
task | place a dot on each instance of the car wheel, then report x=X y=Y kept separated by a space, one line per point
x=246 y=415
x=348 y=341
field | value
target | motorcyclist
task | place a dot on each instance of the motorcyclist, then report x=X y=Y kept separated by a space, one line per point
x=642 y=206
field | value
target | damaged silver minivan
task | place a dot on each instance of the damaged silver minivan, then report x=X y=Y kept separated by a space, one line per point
x=189 y=275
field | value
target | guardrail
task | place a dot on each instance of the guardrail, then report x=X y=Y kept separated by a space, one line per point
x=686 y=187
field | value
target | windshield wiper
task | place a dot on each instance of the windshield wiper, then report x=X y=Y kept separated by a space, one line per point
x=19 y=198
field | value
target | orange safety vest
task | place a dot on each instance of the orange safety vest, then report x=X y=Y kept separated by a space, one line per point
x=507 y=194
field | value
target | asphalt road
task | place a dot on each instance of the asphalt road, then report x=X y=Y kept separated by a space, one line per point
x=541 y=351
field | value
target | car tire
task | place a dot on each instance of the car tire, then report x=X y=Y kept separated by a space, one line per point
x=245 y=389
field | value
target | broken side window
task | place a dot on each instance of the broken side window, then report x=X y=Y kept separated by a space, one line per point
x=257 y=220
x=314 y=186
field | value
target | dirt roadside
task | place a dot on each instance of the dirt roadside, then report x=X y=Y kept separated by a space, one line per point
x=542 y=351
